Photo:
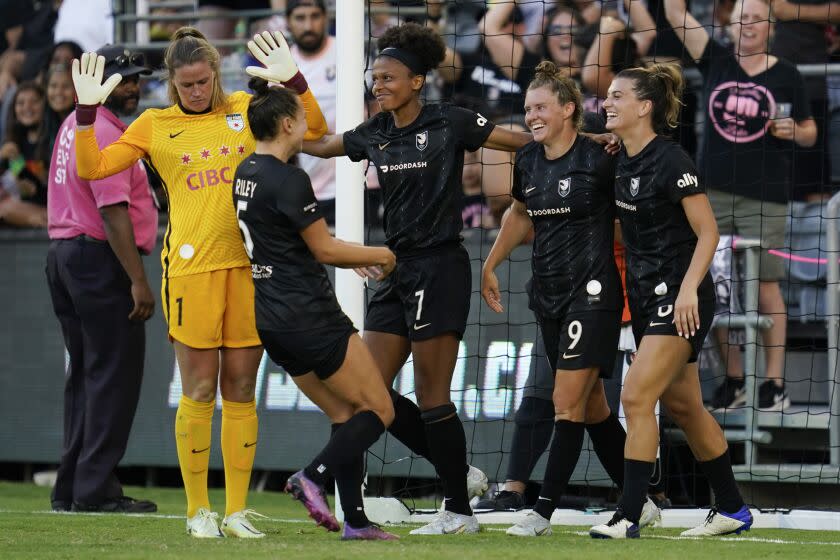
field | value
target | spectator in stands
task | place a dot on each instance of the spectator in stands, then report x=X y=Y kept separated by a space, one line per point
x=32 y=48
x=101 y=297
x=89 y=23
x=757 y=109
x=474 y=208
x=616 y=48
x=62 y=53
x=223 y=27
x=804 y=42
x=497 y=74
x=60 y=102
x=315 y=52
x=23 y=195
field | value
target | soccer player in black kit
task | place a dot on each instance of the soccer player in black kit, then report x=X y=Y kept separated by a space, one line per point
x=298 y=317
x=670 y=236
x=563 y=187
x=422 y=309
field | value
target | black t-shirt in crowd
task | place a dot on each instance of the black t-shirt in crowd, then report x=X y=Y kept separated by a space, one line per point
x=419 y=168
x=483 y=80
x=658 y=238
x=274 y=201
x=738 y=153
x=571 y=202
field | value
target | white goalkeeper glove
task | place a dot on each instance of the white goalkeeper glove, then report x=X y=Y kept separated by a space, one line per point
x=90 y=91
x=273 y=52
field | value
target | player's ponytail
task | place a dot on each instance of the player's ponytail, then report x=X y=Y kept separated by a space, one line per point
x=662 y=85
x=268 y=106
x=549 y=76
x=189 y=46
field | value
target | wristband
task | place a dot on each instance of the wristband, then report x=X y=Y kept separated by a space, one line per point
x=297 y=83
x=86 y=114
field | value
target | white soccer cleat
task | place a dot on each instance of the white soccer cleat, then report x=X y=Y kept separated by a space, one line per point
x=204 y=525
x=448 y=523
x=651 y=515
x=616 y=528
x=477 y=483
x=532 y=525
x=238 y=525
x=721 y=523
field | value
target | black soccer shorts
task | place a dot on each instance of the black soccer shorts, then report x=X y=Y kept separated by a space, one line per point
x=582 y=339
x=657 y=318
x=426 y=296
x=321 y=349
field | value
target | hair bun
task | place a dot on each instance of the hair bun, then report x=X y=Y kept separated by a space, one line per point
x=188 y=31
x=259 y=85
x=547 y=70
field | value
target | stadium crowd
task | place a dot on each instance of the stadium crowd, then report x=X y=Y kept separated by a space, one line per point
x=781 y=129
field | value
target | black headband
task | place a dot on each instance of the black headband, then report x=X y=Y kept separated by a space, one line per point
x=407 y=58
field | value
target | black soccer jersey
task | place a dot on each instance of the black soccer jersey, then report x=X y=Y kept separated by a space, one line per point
x=657 y=235
x=274 y=201
x=419 y=168
x=570 y=200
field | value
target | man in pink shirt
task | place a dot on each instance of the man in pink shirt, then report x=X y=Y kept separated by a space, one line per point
x=101 y=297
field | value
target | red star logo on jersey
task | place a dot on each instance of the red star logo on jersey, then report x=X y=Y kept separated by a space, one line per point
x=224 y=150
x=205 y=153
x=185 y=159
x=240 y=149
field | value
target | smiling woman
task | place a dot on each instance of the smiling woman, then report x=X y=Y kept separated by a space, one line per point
x=208 y=292
x=422 y=309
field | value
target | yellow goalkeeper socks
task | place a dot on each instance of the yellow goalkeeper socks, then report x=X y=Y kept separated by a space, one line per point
x=239 y=445
x=192 y=439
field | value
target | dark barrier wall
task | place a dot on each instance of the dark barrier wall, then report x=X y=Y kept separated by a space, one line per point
x=496 y=355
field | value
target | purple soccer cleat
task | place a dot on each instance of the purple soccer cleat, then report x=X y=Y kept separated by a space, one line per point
x=371 y=532
x=313 y=499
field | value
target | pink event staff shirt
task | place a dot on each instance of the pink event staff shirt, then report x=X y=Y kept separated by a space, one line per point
x=73 y=204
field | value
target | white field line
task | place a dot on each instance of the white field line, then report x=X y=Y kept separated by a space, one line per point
x=736 y=539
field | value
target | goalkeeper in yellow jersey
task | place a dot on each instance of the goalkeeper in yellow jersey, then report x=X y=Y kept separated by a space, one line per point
x=208 y=294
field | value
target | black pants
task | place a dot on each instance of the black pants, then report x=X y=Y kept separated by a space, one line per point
x=91 y=296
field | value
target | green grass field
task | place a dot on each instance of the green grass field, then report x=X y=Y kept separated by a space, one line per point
x=29 y=530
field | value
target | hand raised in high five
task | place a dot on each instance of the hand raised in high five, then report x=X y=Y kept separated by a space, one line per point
x=87 y=79
x=90 y=91
x=273 y=52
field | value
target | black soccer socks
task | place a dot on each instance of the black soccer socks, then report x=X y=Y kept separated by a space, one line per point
x=719 y=472
x=349 y=478
x=562 y=457
x=636 y=479
x=448 y=453
x=347 y=443
x=608 y=437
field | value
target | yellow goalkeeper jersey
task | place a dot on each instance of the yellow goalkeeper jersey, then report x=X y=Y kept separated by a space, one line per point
x=196 y=155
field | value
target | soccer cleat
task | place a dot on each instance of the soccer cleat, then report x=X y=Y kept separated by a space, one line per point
x=532 y=525
x=722 y=523
x=729 y=394
x=651 y=515
x=370 y=532
x=204 y=525
x=476 y=482
x=448 y=523
x=502 y=501
x=772 y=398
x=238 y=525
x=314 y=499
x=616 y=528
